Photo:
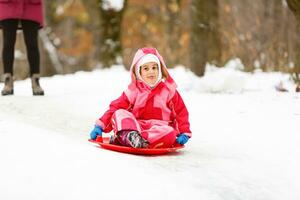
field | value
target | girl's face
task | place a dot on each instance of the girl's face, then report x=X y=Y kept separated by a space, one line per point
x=149 y=73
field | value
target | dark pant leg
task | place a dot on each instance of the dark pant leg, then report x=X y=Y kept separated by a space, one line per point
x=30 y=31
x=9 y=27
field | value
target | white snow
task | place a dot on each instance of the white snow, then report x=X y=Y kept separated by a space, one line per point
x=245 y=142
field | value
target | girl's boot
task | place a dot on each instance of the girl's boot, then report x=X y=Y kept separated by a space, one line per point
x=36 y=88
x=129 y=138
x=8 y=85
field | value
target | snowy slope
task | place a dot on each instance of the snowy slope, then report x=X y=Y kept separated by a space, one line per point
x=245 y=141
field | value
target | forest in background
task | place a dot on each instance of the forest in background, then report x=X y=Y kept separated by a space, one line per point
x=84 y=35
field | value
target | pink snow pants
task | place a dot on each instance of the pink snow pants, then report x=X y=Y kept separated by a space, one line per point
x=157 y=132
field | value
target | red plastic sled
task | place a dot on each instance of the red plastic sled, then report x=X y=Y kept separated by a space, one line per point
x=104 y=143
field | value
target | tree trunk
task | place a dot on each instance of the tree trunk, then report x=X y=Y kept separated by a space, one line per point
x=269 y=54
x=51 y=56
x=204 y=41
x=50 y=63
x=93 y=8
x=294 y=6
x=279 y=34
x=173 y=30
x=110 y=40
x=106 y=28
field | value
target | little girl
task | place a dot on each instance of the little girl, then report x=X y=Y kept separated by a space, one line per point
x=150 y=113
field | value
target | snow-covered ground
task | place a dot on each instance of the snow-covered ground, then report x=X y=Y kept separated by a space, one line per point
x=245 y=141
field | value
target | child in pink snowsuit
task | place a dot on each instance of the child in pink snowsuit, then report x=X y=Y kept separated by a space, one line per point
x=150 y=113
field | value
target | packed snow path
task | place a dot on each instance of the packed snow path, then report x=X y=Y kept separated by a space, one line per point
x=244 y=146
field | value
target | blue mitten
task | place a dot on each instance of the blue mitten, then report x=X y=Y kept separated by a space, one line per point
x=95 y=132
x=182 y=138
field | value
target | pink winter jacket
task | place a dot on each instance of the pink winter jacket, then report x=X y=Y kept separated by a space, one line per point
x=22 y=9
x=163 y=102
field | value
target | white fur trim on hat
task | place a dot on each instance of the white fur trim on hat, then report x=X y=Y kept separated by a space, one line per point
x=146 y=59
